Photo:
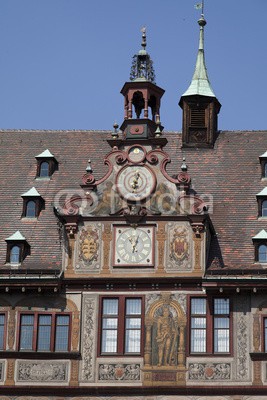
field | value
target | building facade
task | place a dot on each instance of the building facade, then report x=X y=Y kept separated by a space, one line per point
x=141 y=273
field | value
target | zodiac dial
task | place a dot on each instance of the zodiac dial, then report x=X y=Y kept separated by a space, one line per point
x=136 y=183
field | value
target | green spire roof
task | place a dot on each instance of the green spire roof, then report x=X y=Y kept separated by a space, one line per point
x=200 y=84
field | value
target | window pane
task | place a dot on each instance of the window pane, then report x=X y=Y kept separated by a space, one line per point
x=265 y=169
x=133 y=307
x=109 y=341
x=44 y=333
x=262 y=253
x=265 y=334
x=30 y=209
x=198 y=341
x=198 y=323
x=198 y=306
x=44 y=169
x=133 y=341
x=2 y=330
x=110 y=323
x=14 y=255
x=221 y=341
x=221 y=306
x=264 y=208
x=110 y=306
x=26 y=332
x=62 y=333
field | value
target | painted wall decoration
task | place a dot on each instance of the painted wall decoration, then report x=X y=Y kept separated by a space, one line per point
x=242 y=339
x=179 y=248
x=209 y=371
x=46 y=371
x=119 y=372
x=88 y=248
x=88 y=338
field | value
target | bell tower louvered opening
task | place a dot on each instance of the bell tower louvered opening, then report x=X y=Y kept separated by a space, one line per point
x=197 y=117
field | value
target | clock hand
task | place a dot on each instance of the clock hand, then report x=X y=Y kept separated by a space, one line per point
x=134 y=183
x=134 y=245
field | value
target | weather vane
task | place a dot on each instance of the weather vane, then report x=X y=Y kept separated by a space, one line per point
x=200 y=6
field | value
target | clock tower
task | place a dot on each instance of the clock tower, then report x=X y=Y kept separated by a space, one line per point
x=141 y=98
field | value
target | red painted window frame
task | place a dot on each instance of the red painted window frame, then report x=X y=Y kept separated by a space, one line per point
x=36 y=315
x=121 y=326
x=210 y=327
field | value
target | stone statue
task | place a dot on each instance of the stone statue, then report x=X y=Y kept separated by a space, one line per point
x=166 y=338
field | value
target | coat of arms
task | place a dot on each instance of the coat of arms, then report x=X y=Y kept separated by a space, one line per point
x=179 y=245
x=89 y=245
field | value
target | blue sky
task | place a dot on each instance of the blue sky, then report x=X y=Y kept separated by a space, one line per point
x=64 y=62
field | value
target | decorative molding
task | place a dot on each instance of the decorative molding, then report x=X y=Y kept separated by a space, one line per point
x=10 y=372
x=256 y=332
x=119 y=372
x=106 y=237
x=257 y=379
x=197 y=251
x=74 y=373
x=242 y=340
x=150 y=299
x=88 y=338
x=209 y=371
x=43 y=371
x=11 y=329
x=161 y=238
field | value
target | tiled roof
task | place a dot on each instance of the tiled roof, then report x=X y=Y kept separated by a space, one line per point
x=228 y=176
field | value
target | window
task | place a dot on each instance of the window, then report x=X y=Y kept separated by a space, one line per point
x=121 y=325
x=198 y=325
x=2 y=331
x=264 y=208
x=44 y=169
x=30 y=209
x=210 y=331
x=221 y=326
x=15 y=254
x=262 y=253
x=265 y=170
x=44 y=332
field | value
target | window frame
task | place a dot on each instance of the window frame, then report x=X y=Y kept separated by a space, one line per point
x=39 y=205
x=257 y=245
x=121 y=329
x=36 y=315
x=52 y=167
x=210 y=326
x=24 y=251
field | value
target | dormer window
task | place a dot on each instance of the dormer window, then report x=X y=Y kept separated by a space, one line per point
x=30 y=211
x=33 y=203
x=46 y=164
x=264 y=208
x=17 y=249
x=262 y=253
x=44 y=169
x=260 y=243
x=15 y=252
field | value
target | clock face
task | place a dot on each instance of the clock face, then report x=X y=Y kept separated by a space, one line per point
x=134 y=246
x=135 y=183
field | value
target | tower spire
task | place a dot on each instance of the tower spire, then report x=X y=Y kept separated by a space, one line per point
x=200 y=84
x=199 y=103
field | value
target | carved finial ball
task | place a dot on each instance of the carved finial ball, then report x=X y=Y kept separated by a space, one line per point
x=202 y=22
x=115 y=126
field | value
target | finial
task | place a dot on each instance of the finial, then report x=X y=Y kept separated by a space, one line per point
x=158 y=130
x=184 y=166
x=200 y=84
x=142 y=65
x=115 y=132
x=143 y=30
x=89 y=168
